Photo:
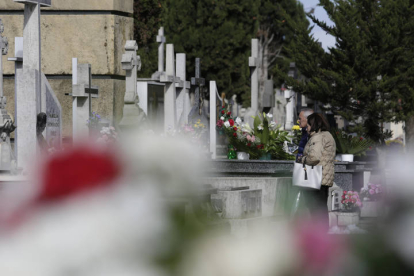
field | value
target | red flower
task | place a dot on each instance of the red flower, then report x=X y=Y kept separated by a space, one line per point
x=234 y=134
x=77 y=171
x=235 y=128
x=248 y=144
x=229 y=113
x=360 y=138
x=222 y=112
x=220 y=123
x=231 y=121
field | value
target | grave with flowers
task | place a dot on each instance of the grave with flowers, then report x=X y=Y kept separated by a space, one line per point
x=372 y=196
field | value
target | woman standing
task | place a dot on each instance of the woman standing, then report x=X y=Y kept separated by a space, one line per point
x=320 y=150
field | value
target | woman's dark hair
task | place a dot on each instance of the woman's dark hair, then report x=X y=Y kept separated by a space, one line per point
x=317 y=122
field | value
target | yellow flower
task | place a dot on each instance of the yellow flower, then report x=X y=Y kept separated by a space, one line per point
x=201 y=125
x=296 y=127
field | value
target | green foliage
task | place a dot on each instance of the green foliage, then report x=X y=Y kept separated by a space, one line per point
x=272 y=137
x=219 y=32
x=147 y=20
x=348 y=144
x=373 y=38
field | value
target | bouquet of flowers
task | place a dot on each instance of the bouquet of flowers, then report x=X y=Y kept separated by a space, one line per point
x=240 y=135
x=108 y=135
x=272 y=137
x=350 y=200
x=297 y=134
x=371 y=193
x=195 y=132
x=94 y=121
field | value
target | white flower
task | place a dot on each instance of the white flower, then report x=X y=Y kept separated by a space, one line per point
x=246 y=128
x=273 y=125
x=238 y=121
x=222 y=118
x=226 y=124
x=260 y=127
x=269 y=116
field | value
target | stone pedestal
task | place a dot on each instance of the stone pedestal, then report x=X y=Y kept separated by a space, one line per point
x=370 y=209
x=347 y=218
x=241 y=204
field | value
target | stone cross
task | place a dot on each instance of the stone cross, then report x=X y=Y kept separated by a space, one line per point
x=170 y=115
x=198 y=82
x=290 y=96
x=161 y=41
x=82 y=93
x=131 y=63
x=254 y=64
x=4 y=47
x=183 y=90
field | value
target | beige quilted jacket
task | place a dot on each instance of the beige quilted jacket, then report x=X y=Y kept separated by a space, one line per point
x=321 y=150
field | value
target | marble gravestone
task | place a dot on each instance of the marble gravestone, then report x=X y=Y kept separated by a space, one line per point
x=54 y=116
x=183 y=90
x=132 y=113
x=81 y=77
x=254 y=64
x=169 y=78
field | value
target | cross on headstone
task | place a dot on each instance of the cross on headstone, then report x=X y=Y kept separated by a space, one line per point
x=161 y=40
x=132 y=115
x=198 y=82
x=254 y=64
x=183 y=89
x=82 y=93
x=169 y=78
x=4 y=47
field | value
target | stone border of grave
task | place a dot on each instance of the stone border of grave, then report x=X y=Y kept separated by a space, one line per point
x=348 y=175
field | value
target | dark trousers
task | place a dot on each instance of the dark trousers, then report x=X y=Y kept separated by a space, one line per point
x=316 y=202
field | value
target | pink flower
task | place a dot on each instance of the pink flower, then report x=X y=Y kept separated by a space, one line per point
x=248 y=137
x=378 y=190
x=371 y=191
x=253 y=138
x=358 y=203
x=345 y=192
x=220 y=123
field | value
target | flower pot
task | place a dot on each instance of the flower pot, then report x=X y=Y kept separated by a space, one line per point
x=347 y=157
x=243 y=155
x=266 y=156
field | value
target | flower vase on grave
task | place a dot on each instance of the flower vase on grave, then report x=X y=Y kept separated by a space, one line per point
x=231 y=154
x=266 y=156
x=241 y=155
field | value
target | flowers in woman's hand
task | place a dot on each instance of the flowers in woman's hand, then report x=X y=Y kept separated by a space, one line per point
x=231 y=121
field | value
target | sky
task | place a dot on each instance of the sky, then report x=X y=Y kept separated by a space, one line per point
x=320 y=13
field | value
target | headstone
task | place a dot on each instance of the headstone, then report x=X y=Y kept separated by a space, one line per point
x=183 y=91
x=161 y=40
x=132 y=114
x=241 y=204
x=290 y=96
x=82 y=92
x=254 y=64
x=170 y=115
x=6 y=122
x=198 y=82
x=334 y=198
x=54 y=116
x=268 y=101
x=29 y=98
x=213 y=119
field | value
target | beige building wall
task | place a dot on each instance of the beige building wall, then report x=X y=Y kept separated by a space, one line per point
x=94 y=31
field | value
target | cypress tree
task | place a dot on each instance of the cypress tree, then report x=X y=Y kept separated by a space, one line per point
x=365 y=75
